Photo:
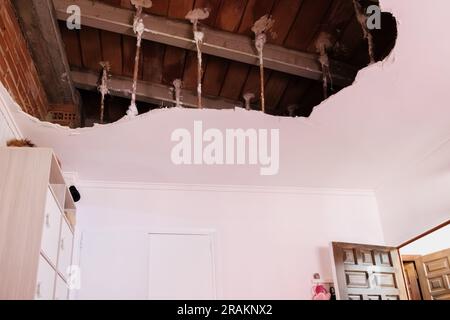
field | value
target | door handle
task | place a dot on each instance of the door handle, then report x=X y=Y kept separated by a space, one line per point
x=47 y=220
x=38 y=290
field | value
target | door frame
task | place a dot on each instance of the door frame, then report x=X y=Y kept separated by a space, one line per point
x=412 y=258
x=211 y=234
x=426 y=233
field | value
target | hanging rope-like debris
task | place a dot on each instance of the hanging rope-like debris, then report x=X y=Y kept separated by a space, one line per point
x=194 y=16
x=248 y=97
x=260 y=29
x=103 y=87
x=362 y=19
x=138 y=29
x=323 y=44
x=177 y=92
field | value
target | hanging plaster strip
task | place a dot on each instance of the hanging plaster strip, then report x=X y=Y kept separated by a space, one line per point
x=292 y=110
x=194 y=16
x=103 y=87
x=138 y=28
x=323 y=45
x=248 y=97
x=177 y=87
x=362 y=19
x=260 y=29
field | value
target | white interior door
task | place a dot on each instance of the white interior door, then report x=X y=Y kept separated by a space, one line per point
x=181 y=267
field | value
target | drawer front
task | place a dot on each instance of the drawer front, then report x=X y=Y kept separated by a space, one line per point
x=61 y=290
x=65 y=249
x=45 y=280
x=52 y=223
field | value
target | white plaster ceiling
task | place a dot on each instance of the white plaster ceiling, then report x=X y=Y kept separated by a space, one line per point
x=396 y=113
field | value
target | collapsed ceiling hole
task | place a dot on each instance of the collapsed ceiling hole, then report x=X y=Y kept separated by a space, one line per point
x=225 y=82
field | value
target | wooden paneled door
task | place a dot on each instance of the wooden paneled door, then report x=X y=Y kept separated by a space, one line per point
x=412 y=280
x=434 y=275
x=366 y=272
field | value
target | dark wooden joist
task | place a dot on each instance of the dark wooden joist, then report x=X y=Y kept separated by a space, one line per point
x=40 y=28
x=148 y=92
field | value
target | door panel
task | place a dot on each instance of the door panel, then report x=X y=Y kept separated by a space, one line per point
x=434 y=275
x=412 y=281
x=61 y=289
x=65 y=249
x=52 y=223
x=45 y=280
x=368 y=272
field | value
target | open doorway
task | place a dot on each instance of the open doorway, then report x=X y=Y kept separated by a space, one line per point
x=426 y=265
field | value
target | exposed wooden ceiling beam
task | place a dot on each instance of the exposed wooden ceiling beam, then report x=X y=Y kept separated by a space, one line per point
x=218 y=43
x=40 y=27
x=147 y=92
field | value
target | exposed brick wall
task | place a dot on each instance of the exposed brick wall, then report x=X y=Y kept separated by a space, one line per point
x=17 y=70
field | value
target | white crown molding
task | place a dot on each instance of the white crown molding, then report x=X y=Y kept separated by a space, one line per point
x=90 y=184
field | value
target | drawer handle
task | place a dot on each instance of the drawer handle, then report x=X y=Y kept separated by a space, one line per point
x=62 y=244
x=38 y=290
x=47 y=220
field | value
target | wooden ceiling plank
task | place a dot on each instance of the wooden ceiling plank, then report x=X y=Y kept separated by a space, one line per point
x=128 y=57
x=190 y=71
x=178 y=9
x=284 y=13
x=350 y=39
x=214 y=76
x=173 y=66
x=213 y=6
x=152 y=66
x=91 y=50
x=72 y=44
x=337 y=19
x=307 y=23
x=275 y=88
x=234 y=80
x=126 y=4
x=147 y=92
x=112 y=50
x=253 y=84
x=255 y=9
x=116 y=3
x=218 y=43
x=296 y=89
x=159 y=7
x=230 y=14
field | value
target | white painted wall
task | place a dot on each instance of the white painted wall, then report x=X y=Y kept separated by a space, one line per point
x=181 y=267
x=434 y=242
x=417 y=199
x=414 y=196
x=269 y=243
